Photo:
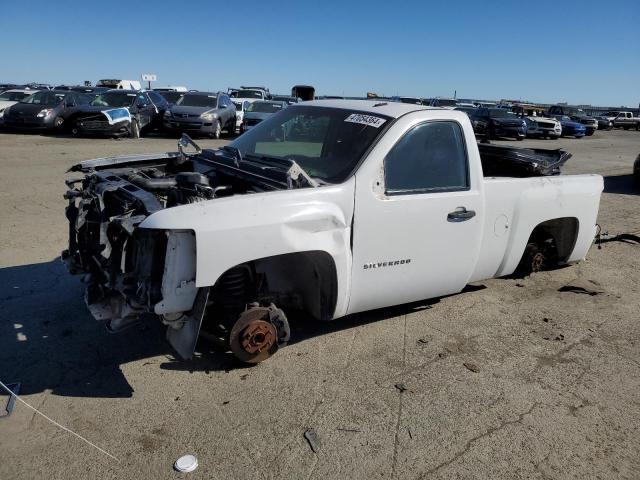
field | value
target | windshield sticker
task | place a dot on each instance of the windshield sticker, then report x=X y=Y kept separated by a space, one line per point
x=117 y=115
x=369 y=120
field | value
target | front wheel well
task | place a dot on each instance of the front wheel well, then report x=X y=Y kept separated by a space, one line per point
x=304 y=281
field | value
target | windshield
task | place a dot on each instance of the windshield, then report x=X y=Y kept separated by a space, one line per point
x=208 y=101
x=114 y=99
x=171 y=97
x=327 y=143
x=13 y=96
x=264 y=107
x=44 y=98
x=238 y=105
x=248 y=94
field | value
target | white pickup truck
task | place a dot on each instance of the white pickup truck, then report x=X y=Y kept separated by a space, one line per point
x=327 y=208
x=624 y=120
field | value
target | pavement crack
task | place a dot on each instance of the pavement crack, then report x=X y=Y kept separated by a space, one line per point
x=351 y=347
x=394 y=462
x=490 y=431
x=313 y=468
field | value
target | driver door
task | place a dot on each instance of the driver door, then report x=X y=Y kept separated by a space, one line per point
x=418 y=235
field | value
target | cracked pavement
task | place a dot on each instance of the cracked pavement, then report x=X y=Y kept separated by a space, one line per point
x=513 y=378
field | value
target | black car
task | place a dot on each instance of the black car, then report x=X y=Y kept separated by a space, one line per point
x=604 y=123
x=44 y=110
x=120 y=113
x=498 y=122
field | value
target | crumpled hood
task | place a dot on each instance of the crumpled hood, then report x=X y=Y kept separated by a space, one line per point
x=94 y=108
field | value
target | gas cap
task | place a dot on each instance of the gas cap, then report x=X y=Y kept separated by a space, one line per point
x=501 y=225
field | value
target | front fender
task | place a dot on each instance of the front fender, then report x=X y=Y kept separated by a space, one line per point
x=233 y=230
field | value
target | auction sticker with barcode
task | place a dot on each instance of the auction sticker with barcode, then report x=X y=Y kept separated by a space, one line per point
x=365 y=120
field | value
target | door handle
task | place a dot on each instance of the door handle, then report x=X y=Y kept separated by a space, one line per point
x=460 y=214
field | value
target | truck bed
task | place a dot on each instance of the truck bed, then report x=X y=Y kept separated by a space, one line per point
x=507 y=161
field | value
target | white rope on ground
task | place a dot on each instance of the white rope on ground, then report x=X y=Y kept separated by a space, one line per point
x=56 y=423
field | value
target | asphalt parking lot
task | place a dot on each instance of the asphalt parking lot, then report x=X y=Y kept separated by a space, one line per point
x=514 y=378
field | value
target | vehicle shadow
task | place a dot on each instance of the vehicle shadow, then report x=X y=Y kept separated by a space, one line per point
x=622 y=184
x=210 y=358
x=49 y=341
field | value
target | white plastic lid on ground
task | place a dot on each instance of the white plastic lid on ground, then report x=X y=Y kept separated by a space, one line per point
x=186 y=463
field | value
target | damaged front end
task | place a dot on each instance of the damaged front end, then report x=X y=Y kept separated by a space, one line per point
x=129 y=271
x=133 y=272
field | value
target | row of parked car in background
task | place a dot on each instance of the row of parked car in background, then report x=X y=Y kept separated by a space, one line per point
x=116 y=107
x=520 y=120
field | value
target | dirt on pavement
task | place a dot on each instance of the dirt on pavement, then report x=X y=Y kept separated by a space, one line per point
x=513 y=378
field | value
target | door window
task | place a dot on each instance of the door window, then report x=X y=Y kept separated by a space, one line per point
x=431 y=157
x=156 y=98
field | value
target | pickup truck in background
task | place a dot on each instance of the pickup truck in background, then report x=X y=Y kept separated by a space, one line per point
x=325 y=209
x=624 y=120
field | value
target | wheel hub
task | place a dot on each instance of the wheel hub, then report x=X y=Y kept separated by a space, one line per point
x=253 y=338
x=258 y=336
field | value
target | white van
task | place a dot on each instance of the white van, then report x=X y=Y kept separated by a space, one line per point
x=120 y=84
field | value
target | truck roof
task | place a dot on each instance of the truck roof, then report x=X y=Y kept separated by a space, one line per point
x=384 y=107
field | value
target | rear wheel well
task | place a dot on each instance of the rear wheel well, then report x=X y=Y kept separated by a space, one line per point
x=554 y=240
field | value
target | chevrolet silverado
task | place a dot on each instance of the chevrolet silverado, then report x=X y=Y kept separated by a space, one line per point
x=325 y=209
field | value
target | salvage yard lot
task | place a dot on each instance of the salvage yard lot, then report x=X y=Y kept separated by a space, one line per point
x=514 y=378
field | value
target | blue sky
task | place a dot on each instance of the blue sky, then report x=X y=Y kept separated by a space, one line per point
x=548 y=51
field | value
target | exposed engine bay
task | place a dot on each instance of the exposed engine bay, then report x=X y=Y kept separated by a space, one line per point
x=134 y=272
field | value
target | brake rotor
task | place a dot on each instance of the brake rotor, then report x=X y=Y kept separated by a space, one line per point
x=537 y=262
x=253 y=338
